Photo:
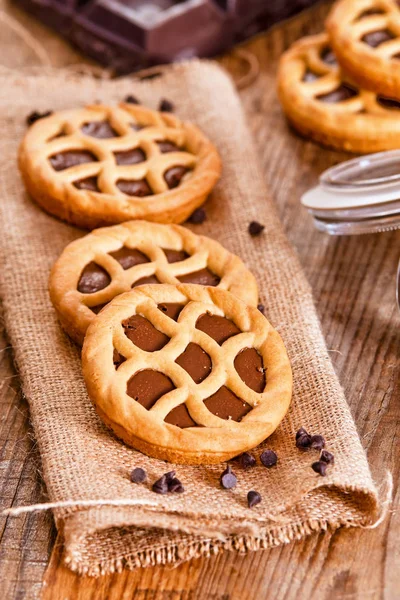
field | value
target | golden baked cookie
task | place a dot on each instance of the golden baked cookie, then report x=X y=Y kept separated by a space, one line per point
x=365 y=36
x=186 y=373
x=94 y=269
x=325 y=105
x=103 y=165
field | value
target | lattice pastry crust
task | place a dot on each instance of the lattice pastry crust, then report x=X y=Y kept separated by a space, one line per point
x=103 y=165
x=309 y=82
x=210 y=438
x=168 y=252
x=365 y=35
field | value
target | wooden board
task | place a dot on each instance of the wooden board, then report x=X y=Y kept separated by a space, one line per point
x=354 y=286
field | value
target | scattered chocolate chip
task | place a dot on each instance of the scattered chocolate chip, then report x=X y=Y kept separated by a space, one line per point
x=247 y=460
x=169 y=476
x=269 y=458
x=303 y=442
x=255 y=228
x=129 y=99
x=319 y=467
x=161 y=486
x=198 y=216
x=228 y=479
x=35 y=116
x=261 y=308
x=138 y=475
x=301 y=432
x=175 y=486
x=327 y=457
x=253 y=498
x=166 y=105
x=317 y=442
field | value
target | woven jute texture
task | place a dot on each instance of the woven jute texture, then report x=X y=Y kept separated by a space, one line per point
x=81 y=458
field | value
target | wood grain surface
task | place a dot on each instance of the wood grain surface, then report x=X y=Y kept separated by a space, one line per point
x=354 y=287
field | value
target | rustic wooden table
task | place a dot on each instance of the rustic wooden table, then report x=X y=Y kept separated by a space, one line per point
x=354 y=286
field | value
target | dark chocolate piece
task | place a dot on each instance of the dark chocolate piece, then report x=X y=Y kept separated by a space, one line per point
x=255 y=228
x=96 y=309
x=99 y=129
x=253 y=498
x=131 y=99
x=166 y=105
x=228 y=479
x=180 y=417
x=132 y=187
x=89 y=183
x=174 y=175
x=202 y=277
x=197 y=217
x=143 y=334
x=303 y=442
x=160 y=486
x=130 y=157
x=249 y=364
x=118 y=359
x=71 y=158
x=129 y=257
x=343 y=92
x=174 y=256
x=146 y=280
x=376 y=38
x=269 y=458
x=226 y=405
x=317 y=442
x=175 y=486
x=247 y=460
x=327 y=457
x=138 y=475
x=319 y=467
x=166 y=146
x=147 y=386
x=196 y=362
x=93 y=278
x=171 y=309
x=219 y=328
x=301 y=432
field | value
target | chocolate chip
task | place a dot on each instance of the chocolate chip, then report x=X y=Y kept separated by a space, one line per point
x=269 y=458
x=317 y=442
x=255 y=228
x=228 y=479
x=160 y=486
x=169 y=476
x=35 y=116
x=327 y=457
x=303 y=442
x=131 y=99
x=138 y=475
x=247 y=460
x=166 y=105
x=261 y=308
x=198 y=216
x=301 y=432
x=175 y=486
x=253 y=498
x=319 y=467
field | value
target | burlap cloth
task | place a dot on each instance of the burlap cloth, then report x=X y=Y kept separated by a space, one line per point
x=81 y=459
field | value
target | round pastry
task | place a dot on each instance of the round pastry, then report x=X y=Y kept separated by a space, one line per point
x=94 y=269
x=365 y=35
x=186 y=373
x=102 y=165
x=325 y=105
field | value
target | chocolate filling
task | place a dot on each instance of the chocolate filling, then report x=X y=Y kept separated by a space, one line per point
x=130 y=187
x=341 y=93
x=166 y=146
x=147 y=386
x=96 y=309
x=376 y=38
x=388 y=102
x=328 y=56
x=202 y=277
x=144 y=280
x=130 y=157
x=180 y=417
x=174 y=176
x=143 y=334
x=129 y=257
x=174 y=256
x=219 y=328
x=93 y=278
x=226 y=405
x=71 y=158
x=171 y=309
x=196 y=362
x=118 y=359
x=90 y=183
x=249 y=364
x=310 y=76
x=99 y=129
